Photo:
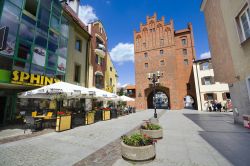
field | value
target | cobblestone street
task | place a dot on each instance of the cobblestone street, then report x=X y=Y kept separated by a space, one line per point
x=190 y=138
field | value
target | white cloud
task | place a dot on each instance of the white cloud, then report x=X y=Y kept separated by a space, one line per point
x=87 y=14
x=122 y=52
x=205 y=55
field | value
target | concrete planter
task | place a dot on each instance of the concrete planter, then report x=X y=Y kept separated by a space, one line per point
x=156 y=134
x=140 y=153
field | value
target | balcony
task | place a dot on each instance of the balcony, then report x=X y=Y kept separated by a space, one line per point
x=100 y=52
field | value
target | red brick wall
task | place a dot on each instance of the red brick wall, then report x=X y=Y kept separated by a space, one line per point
x=95 y=29
x=175 y=74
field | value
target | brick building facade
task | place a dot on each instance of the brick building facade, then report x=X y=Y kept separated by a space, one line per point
x=98 y=54
x=158 y=47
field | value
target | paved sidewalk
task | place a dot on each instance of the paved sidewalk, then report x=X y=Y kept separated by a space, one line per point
x=69 y=147
x=199 y=139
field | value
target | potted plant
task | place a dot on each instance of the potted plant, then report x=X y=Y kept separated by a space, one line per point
x=152 y=130
x=138 y=147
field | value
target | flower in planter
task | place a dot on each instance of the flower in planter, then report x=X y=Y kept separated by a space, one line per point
x=138 y=140
x=150 y=126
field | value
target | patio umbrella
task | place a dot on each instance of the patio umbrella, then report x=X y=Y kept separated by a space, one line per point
x=125 y=98
x=59 y=89
x=101 y=94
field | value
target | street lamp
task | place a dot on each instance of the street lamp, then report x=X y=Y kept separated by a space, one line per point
x=154 y=78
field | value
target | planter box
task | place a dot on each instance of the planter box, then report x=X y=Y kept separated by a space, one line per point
x=156 y=134
x=140 y=153
x=63 y=122
x=89 y=118
x=105 y=115
x=246 y=121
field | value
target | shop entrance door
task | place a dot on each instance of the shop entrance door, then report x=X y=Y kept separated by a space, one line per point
x=2 y=109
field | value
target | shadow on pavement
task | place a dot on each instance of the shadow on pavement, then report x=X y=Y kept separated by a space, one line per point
x=229 y=139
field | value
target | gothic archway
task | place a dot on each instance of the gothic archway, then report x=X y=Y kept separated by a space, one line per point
x=189 y=102
x=162 y=98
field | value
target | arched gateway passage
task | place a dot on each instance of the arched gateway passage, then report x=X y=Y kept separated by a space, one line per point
x=162 y=98
x=189 y=102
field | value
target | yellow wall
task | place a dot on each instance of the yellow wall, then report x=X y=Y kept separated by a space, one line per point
x=76 y=57
x=110 y=74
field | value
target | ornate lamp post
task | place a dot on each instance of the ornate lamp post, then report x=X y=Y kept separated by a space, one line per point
x=154 y=78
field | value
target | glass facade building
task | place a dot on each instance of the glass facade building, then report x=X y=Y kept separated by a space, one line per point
x=36 y=44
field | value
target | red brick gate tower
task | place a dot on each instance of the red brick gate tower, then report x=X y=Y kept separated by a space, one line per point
x=158 y=47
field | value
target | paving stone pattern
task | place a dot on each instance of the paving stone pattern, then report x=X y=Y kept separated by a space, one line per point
x=68 y=147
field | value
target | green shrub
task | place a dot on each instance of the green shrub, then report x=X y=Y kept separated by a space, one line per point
x=137 y=140
x=150 y=126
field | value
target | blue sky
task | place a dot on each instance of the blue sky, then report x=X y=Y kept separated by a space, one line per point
x=121 y=17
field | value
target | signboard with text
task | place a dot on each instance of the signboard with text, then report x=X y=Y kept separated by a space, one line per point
x=23 y=78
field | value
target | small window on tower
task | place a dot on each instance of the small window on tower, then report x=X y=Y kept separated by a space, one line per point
x=146 y=65
x=184 y=51
x=145 y=54
x=144 y=45
x=185 y=61
x=162 y=62
x=184 y=42
x=161 y=52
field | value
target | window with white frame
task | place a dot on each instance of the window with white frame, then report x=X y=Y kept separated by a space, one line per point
x=243 y=21
x=207 y=81
x=205 y=66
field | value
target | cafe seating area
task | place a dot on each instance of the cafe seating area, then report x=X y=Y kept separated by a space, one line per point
x=63 y=106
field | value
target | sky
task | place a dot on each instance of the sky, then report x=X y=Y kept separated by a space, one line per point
x=121 y=17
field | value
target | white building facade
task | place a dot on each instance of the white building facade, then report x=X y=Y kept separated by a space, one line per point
x=207 y=90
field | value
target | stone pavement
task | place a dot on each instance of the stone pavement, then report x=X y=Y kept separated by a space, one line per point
x=69 y=147
x=199 y=139
x=190 y=139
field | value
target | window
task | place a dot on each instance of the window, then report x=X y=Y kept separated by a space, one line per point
x=161 y=42
x=110 y=68
x=55 y=22
x=185 y=61
x=146 y=65
x=145 y=54
x=52 y=60
x=205 y=66
x=161 y=52
x=144 y=45
x=162 y=62
x=184 y=42
x=77 y=73
x=78 y=45
x=184 y=51
x=209 y=96
x=24 y=51
x=110 y=82
x=207 y=80
x=27 y=30
x=243 y=21
x=99 y=81
x=10 y=18
x=31 y=7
